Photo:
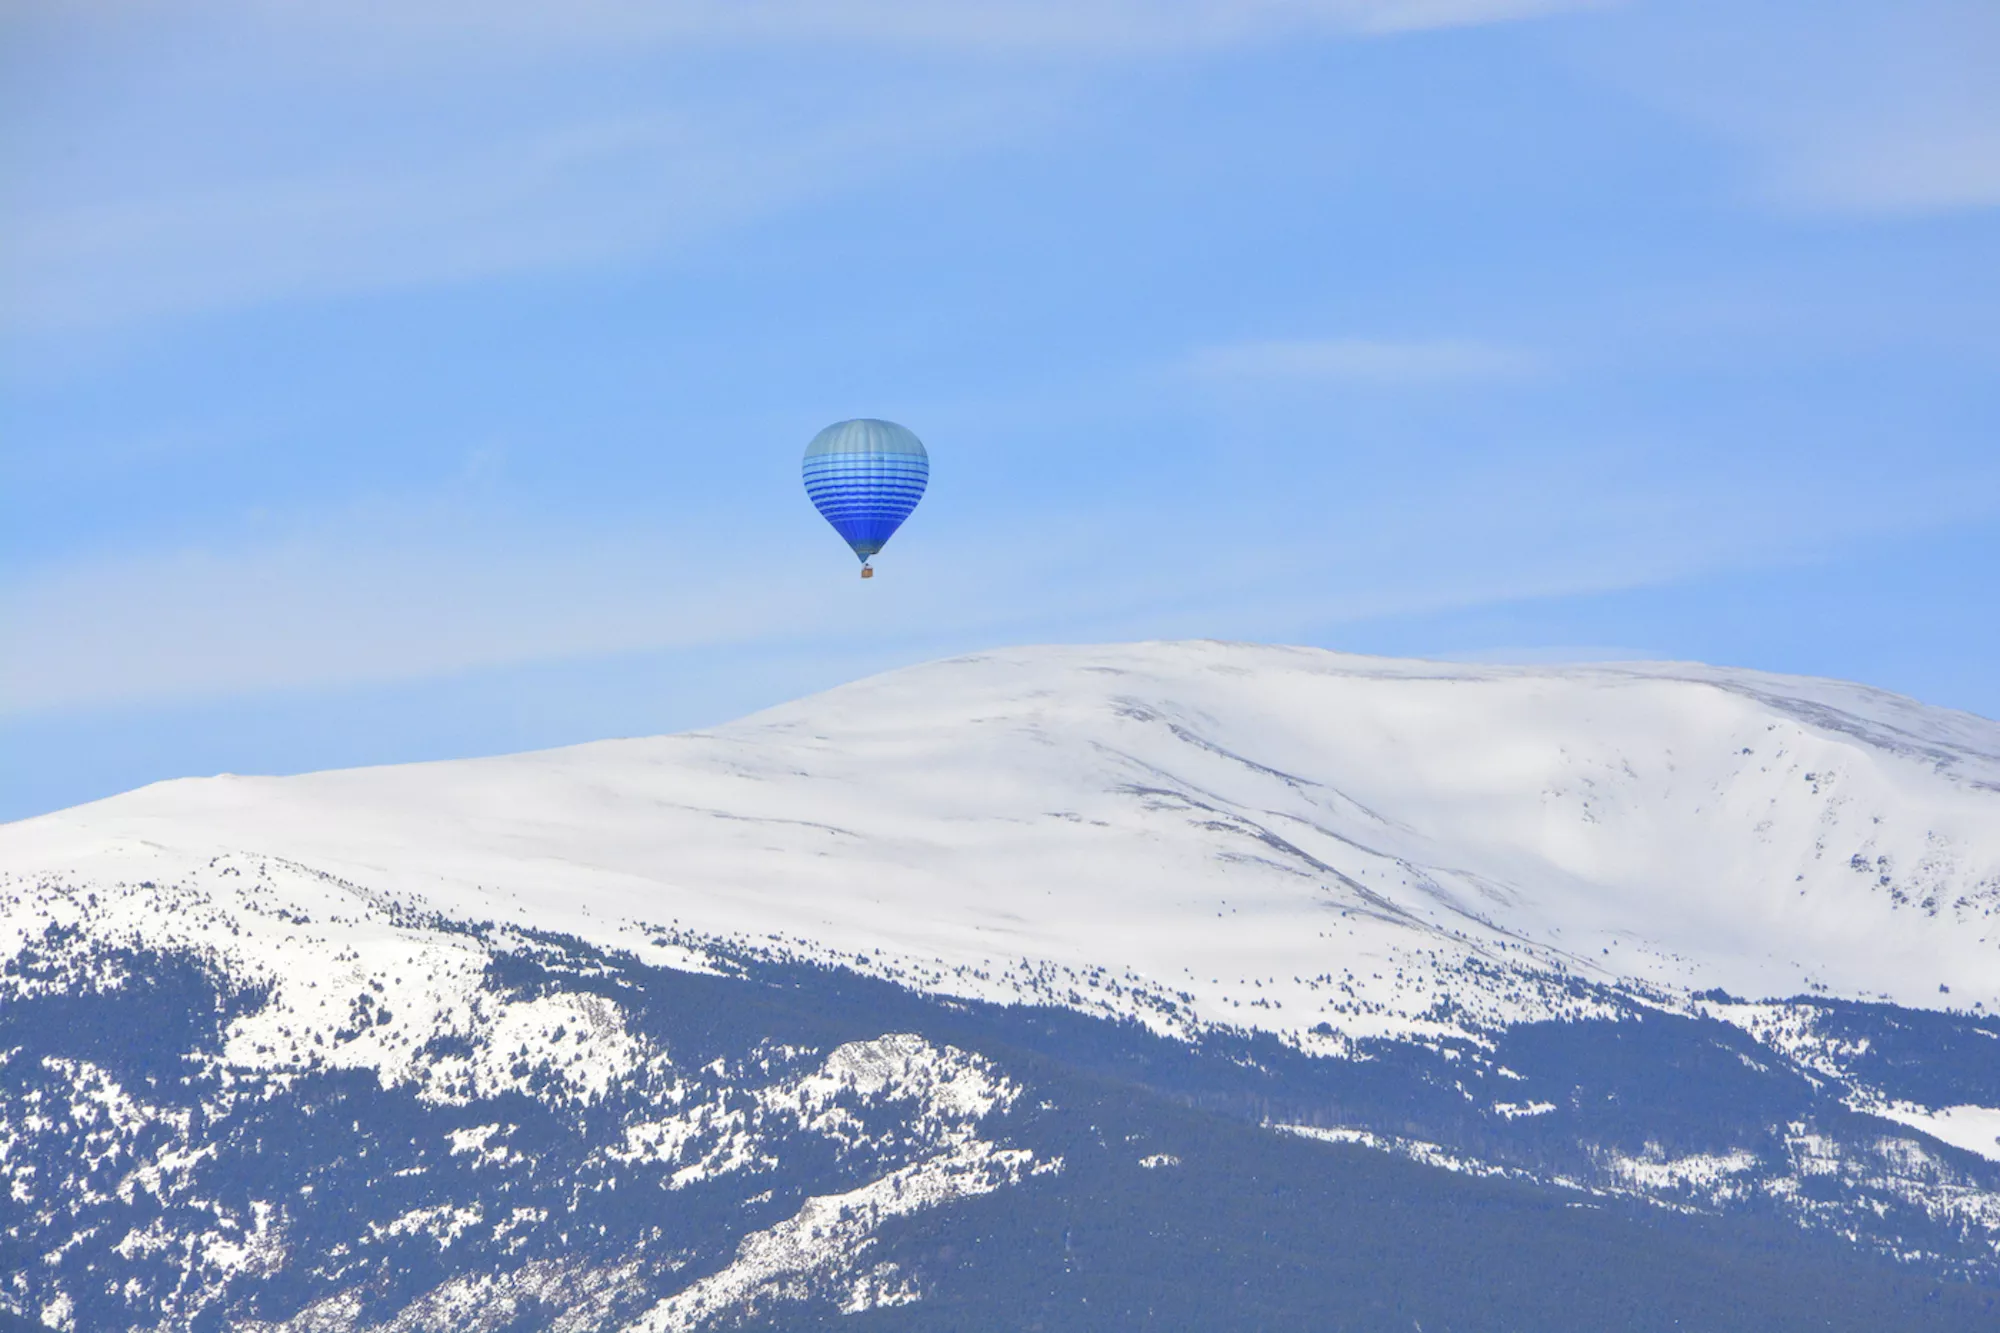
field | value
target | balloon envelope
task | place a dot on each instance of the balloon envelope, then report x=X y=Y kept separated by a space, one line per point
x=864 y=477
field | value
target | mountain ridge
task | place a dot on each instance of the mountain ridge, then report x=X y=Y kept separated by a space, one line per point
x=821 y=809
x=767 y=1022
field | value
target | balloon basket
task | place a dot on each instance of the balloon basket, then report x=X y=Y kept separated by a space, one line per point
x=867 y=572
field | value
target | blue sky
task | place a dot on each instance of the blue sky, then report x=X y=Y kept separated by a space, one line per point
x=384 y=385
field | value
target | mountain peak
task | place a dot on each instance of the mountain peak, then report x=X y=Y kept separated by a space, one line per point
x=1653 y=932
x=1231 y=828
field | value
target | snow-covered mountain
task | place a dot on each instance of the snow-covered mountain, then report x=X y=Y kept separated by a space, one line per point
x=1672 y=941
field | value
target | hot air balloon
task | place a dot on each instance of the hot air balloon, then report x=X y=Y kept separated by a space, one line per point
x=864 y=477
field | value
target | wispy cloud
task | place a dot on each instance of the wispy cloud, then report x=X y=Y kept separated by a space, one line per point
x=359 y=601
x=577 y=193
x=274 y=151
x=1924 y=157
x=432 y=590
x=1368 y=361
x=1845 y=108
x=1091 y=26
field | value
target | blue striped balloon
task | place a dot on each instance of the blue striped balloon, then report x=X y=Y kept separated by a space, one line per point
x=865 y=477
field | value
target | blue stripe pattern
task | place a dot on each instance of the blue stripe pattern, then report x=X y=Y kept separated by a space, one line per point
x=865 y=477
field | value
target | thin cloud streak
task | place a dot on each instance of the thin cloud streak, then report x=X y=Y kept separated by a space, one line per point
x=1088 y=27
x=455 y=196
x=1367 y=361
x=574 y=195
x=374 y=599
x=1917 y=161
x=1844 y=109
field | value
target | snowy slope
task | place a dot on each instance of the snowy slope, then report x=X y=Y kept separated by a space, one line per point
x=1189 y=832
x=543 y=1040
